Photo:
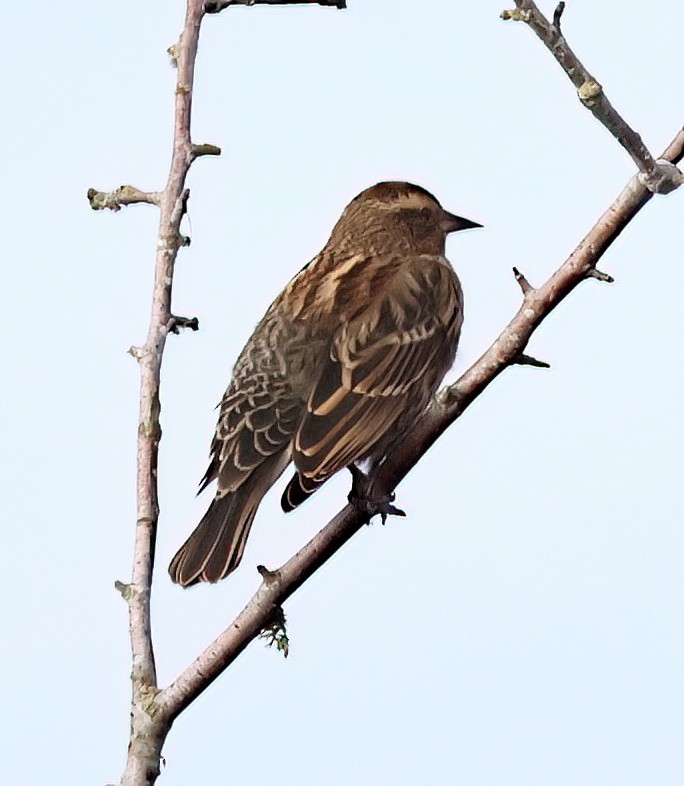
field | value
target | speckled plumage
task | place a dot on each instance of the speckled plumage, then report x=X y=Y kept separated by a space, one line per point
x=339 y=368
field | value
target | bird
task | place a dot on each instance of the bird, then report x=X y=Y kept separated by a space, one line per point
x=343 y=363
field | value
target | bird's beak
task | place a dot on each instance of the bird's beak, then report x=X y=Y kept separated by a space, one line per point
x=452 y=223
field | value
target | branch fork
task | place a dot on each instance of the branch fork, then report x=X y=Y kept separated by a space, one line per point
x=663 y=178
x=659 y=177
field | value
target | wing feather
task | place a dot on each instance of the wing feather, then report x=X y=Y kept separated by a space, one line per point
x=382 y=364
x=258 y=418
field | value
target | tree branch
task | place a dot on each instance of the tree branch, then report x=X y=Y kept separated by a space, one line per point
x=658 y=176
x=528 y=360
x=557 y=17
x=124 y=195
x=154 y=710
x=523 y=283
x=214 y=6
x=149 y=724
x=148 y=727
x=176 y=324
x=449 y=405
x=204 y=150
x=599 y=275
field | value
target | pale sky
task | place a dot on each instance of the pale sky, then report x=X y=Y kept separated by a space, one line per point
x=523 y=625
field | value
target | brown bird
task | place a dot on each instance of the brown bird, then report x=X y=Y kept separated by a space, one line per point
x=345 y=360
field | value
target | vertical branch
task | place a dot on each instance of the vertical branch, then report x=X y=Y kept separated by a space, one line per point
x=172 y=208
x=151 y=719
x=149 y=723
x=148 y=726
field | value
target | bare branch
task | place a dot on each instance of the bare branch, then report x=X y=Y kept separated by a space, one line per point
x=657 y=176
x=149 y=723
x=515 y=15
x=177 y=323
x=204 y=150
x=124 y=195
x=449 y=404
x=148 y=727
x=557 y=17
x=124 y=589
x=583 y=259
x=522 y=281
x=600 y=275
x=528 y=360
x=256 y=615
x=214 y=6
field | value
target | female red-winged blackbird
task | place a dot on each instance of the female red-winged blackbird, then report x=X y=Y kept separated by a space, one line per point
x=345 y=360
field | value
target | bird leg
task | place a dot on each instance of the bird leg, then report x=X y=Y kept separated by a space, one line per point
x=367 y=500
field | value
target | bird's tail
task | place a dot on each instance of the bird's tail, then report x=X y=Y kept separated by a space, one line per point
x=298 y=490
x=215 y=547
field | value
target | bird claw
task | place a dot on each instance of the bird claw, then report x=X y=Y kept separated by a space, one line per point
x=363 y=497
x=390 y=510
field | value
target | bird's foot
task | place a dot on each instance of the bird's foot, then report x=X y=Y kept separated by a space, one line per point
x=366 y=499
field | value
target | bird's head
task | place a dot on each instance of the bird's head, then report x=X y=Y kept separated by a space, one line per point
x=399 y=214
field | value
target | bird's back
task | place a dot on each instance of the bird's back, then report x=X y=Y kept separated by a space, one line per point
x=341 y=366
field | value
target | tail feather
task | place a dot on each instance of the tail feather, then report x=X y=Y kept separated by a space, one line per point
x=215 y=547
x=298 y=490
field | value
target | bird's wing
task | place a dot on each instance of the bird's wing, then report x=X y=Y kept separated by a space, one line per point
x=258 y=418
x=377 y=363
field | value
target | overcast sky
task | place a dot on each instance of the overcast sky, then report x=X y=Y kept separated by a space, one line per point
x=523 y=625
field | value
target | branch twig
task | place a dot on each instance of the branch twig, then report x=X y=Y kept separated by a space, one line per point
x=204 y=150
x=557 y=17
x=599 y=275
x=528 y=360
x=449 y=405
x=214 y=6
x=124 y=195
x=176 y=323
x=661 y=177
x=523 y=283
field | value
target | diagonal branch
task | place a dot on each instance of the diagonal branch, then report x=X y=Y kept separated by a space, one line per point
x=658 y=176
x=449 y=405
